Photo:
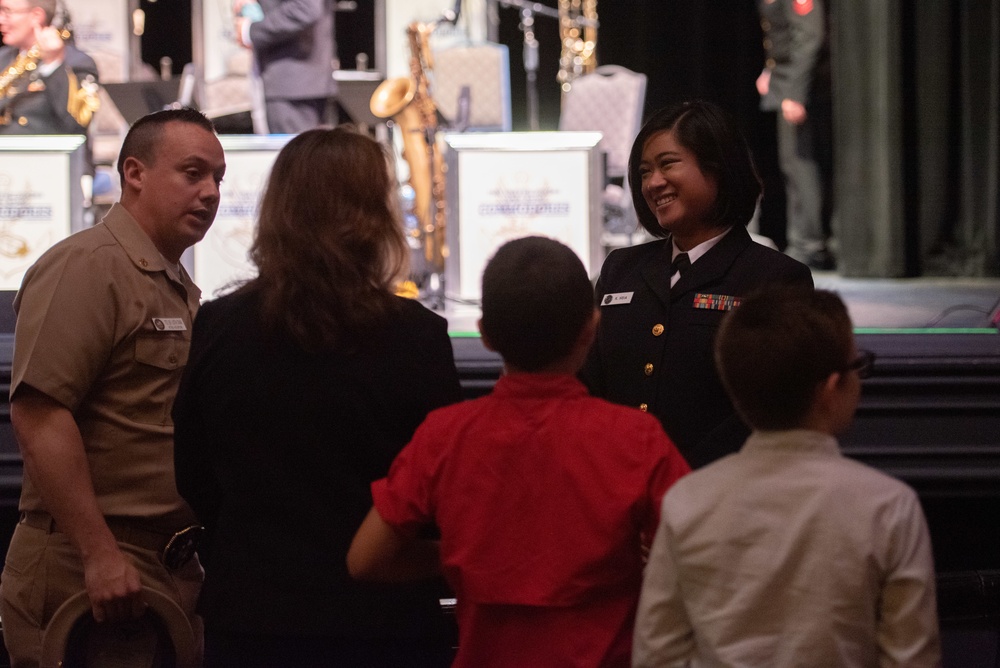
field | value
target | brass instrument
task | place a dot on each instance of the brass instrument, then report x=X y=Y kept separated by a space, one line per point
x=83 y=99
x=25 y=62
x=578 y=35
x=408 y=102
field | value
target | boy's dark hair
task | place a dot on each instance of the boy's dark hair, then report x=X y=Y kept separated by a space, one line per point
x=776 y=348
x=143 y=138
x=722 y=151
x=536 y=300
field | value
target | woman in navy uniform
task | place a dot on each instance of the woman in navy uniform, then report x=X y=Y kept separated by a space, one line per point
x=694 y=185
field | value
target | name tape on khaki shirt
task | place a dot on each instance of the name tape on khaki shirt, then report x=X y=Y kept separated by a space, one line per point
x=169 y=324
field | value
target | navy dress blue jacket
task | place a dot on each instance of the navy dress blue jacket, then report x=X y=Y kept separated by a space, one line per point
x=654 y=347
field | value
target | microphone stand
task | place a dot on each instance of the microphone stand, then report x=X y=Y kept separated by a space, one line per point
x=527 y=26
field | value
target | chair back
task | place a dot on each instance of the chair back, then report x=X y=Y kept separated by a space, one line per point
x=485 y=69
x=609 y=100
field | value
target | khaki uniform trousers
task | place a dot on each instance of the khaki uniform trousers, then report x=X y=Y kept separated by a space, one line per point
x=44 y=569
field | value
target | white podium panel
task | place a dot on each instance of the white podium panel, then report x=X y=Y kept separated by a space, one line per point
x=41 y=199
x=507 y=185
x=101 y=28
x=221 y=258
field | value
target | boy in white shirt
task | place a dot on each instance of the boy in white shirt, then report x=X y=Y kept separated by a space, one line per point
x=787 y=553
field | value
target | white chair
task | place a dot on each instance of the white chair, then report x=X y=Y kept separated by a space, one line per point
x=610 y=100
x=485 y=69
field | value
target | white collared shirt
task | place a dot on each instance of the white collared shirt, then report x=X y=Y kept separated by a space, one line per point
x=789 y=554
x=694 y=253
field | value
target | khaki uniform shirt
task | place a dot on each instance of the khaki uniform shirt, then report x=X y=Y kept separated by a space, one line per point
x=103 y=327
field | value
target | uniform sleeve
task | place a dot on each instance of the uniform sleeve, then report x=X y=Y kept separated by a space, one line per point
x=669 y=466
x=592 y=373
x=404 y=498
x=285 y=22
x=663 y=634
x=71 y=91
x=908 y=633
x=67 y=308
x=806 y=20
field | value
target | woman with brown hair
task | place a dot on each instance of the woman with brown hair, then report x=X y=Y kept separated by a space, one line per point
x=302 y=385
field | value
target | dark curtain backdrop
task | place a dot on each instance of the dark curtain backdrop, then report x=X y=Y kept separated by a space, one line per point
x=917 y=103
x=917 y=109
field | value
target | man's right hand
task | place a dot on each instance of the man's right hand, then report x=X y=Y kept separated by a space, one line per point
x=113 y=586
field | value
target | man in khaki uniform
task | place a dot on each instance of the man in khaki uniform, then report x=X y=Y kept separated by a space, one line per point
x=103 y=327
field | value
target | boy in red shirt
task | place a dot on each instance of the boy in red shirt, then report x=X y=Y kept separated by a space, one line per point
x=544 y=496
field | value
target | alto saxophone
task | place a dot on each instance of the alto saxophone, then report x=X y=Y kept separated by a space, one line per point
x=83 y=100
x=25 y=62
x=578 y=35
x=408 y=102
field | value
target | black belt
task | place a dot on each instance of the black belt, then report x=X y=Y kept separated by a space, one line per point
x=174 y=549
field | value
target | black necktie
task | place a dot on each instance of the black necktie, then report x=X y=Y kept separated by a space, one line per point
x=680 y=264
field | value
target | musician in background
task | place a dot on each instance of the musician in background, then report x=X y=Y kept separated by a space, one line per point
x=292 y=42
x=54 y=88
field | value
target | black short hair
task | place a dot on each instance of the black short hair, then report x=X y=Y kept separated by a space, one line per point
x=722 y=151
x=536 y=299
x=144 y=135
x=775 y=350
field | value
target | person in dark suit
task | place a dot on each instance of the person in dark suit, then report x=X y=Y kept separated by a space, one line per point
x=54 y=87
x=695 y=186
x=301 y=388
x=796 y=83
x=293 y=45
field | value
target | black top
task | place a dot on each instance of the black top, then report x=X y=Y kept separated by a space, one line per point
x=275 y=451
x=654 y=348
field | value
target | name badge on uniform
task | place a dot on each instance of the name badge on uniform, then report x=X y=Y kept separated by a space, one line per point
x=169 y=324
x=615 y=298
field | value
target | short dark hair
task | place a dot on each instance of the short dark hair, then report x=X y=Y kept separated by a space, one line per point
x=536 y=300
x=775 y=350
x=144 y=135
x=722 y=152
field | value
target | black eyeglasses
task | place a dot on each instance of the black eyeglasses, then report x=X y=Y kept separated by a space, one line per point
x=862 y=364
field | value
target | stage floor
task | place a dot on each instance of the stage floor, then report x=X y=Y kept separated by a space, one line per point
x=877 y=306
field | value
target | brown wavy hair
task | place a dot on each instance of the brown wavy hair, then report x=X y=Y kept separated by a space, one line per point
x=329 y=245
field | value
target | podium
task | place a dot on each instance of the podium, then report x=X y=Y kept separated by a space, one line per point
x=506 y=185
x=41 y=198
x=221 y=258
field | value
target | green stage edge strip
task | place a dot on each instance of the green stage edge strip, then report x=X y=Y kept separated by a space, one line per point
x=925 y=330
x=857 y=330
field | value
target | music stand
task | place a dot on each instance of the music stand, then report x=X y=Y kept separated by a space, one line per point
x=135 y=99
x=354 y=92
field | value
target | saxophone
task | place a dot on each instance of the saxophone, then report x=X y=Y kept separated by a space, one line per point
x=25 y=62
x=578 y=35
x=408 y=102
x=83 y=100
